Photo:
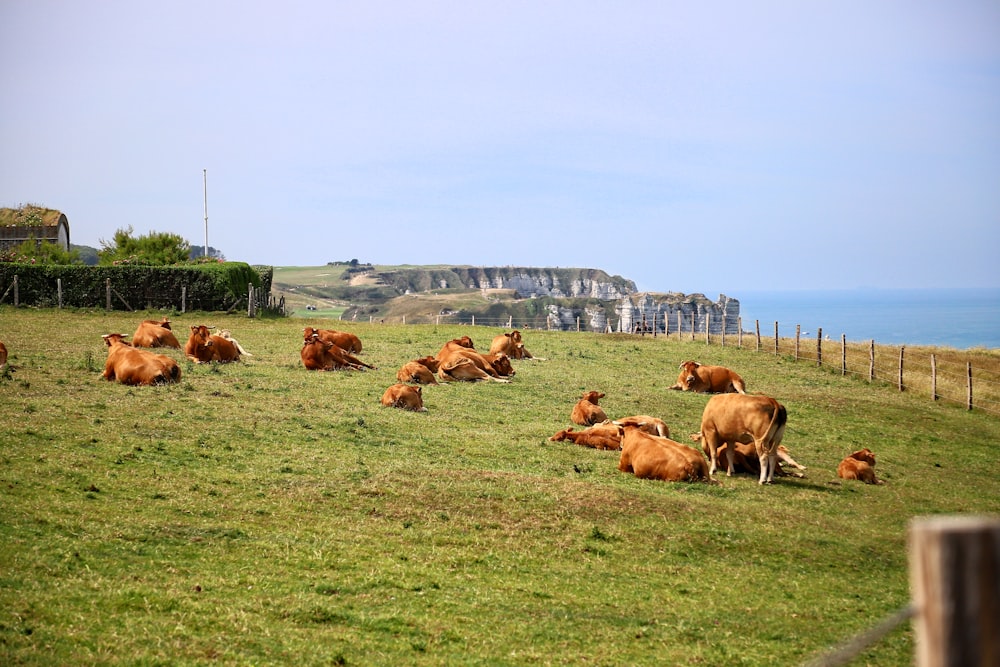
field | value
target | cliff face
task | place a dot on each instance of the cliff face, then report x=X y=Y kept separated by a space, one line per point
x=662 y=313
x=568 y=298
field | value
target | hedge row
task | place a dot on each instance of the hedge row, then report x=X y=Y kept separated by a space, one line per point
x=208 y=287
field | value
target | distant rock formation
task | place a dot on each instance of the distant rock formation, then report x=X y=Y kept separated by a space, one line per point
x=649 y=312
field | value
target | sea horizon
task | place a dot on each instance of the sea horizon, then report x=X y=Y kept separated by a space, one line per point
x=961 y=318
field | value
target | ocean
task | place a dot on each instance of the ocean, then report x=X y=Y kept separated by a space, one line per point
x=956 y=318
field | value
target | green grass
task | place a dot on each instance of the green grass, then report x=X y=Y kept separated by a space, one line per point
x=257 y=513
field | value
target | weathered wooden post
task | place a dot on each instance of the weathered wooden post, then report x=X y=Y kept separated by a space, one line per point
x=107 y=291
x=955 y=589
x=819 y=346
x=968 y=393
x=59 y=290
x=510 y=321
x=739 y=332
x=184 y=294
x=871 y=361
x=723 y=343
x=680 y=321
x=798 y=334
x=708 y=328
x=934 y=394
x=776 y=338
x=757 y=328
x=900 y=381
x=843 y=354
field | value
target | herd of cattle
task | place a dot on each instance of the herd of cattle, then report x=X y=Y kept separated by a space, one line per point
x=746 y=429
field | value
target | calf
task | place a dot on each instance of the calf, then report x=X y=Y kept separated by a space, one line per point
x=419 y=371
x=587 y=412
x=652 y=457
x=708 y=379
x=605 y=435
x=404 y=396
x=744 y=418
x=860 y=466
x=511 y=345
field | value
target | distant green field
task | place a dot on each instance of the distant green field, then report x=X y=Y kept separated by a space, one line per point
x=257 y=513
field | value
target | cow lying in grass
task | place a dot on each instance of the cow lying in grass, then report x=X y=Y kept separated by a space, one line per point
x=151 y=333
x=320 y=355
x=404 y=396
x=419 y=371
x=651 y=457
x=708 y=379
x=600 y=436
x=587 y=412
x=859 y=465
x=133 y=366
x=745 y=458
x=203 y=347
x=345 y=340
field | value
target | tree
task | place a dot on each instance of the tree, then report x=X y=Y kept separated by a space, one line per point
x=155 y=248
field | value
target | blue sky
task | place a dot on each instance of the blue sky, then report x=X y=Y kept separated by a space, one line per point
x=711 y=147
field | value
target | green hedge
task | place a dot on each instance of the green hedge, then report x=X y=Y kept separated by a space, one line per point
x=210 y=287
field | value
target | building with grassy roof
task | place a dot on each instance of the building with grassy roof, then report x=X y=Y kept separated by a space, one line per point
x=29 y=221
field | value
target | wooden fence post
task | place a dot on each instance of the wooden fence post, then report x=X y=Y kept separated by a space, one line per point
x=723 y=330
x=59 y=290
x=968 y=393
x=184 y=294
x=757 y=327
x=775 y=338
x=934 y=394
x=739 y=332
x=17 y=293
x=843 y=354
x=107 y=290
x=819 y=346
x=900 y=382
x=708 y=328
x=871 y=361
x=680 y=322
x=798 y=334
x=955 y=587
x=510 y=321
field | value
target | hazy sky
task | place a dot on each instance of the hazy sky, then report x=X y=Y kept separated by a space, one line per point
x=695 y=147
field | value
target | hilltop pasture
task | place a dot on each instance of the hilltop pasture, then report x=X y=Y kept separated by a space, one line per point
x=258 y=513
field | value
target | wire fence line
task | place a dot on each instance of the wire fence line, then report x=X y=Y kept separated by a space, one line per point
x=970 y=378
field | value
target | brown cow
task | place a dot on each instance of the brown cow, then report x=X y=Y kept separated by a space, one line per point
x=651 y=457
x=744 y=418
x=745 y=458
x=404 y=396
x=454 y=350
x=151 y=333
x=134 y=366
x=708 y=379
x=587 y=412
x=419 y=371
x=605 y=435
x=346 y=341
x=510 y=344
x=651 y=425
x=860 y=466
x=203 y=346
x=464 y=369
x=320 y=355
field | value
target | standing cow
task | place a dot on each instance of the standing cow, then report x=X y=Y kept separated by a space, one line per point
x=708 y=379
x=744 y=418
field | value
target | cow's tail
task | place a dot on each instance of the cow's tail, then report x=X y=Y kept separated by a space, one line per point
x=778 y=420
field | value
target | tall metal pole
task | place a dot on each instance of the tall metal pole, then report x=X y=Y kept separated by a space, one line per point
x=205 y=177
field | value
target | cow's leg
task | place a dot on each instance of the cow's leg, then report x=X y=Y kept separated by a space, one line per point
x=768 y=457
x=730 y=456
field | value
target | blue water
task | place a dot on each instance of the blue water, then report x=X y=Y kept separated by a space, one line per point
x=957 y=318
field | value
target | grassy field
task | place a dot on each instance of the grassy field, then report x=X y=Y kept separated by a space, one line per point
x=257 y=513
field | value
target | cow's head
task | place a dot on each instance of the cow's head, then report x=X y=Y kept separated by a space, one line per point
x=865 y=455
x=165 y=323
x=561 y=435
x=431 y=363
x=515 y=336
x=501 y=364
x=115 y=338
x=201 y=335
x=592 y=396
x=465 y=341
x=687 y=376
